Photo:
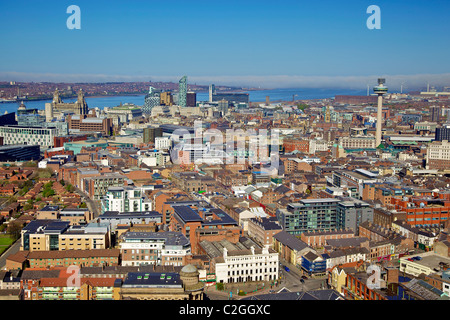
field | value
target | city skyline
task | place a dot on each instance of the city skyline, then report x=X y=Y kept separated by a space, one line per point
x=292 y=44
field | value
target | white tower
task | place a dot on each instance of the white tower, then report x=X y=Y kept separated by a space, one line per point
x=48 y=112
x=380 y=89
x=212 y=91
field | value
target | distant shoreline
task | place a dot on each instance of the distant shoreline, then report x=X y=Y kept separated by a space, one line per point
x=74 y=97
x=119 y=95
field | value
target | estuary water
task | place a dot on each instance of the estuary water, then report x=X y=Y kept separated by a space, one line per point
x=287 y=94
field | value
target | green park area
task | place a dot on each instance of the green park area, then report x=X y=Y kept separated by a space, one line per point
x=5 y=242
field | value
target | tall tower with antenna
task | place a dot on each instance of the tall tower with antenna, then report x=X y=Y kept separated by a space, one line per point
x=380 y=89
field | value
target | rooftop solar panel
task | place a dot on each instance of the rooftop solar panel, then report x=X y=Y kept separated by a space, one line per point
x=187 y=213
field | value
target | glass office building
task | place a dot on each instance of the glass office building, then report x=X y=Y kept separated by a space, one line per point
x=310 y=215
x=152 y=99
x=182 y=92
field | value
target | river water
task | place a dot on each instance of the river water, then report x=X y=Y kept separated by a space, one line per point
x=255 y=96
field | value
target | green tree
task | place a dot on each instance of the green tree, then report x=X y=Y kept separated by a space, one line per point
x=14 y=229
x=48 y=193
x=302 y=106
x=27 y=183
x=28 y=206
x=45 y=173
x=48 y=185
x=219 y=286
x=24 y=191
x=69 y=188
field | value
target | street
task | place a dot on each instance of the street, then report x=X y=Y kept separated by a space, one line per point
x=14 y=248
x=288 y=279
x=291 y=280
x=91 y=204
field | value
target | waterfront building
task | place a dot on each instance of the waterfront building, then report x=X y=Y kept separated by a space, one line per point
x=58 y=107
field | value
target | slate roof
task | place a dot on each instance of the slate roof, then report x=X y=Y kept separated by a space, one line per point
x=291 y=241
x=282 y=189
x=34 y=274
x=423 y=289
x=350 y=242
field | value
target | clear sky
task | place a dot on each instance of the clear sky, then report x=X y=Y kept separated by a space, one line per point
x=277 y=43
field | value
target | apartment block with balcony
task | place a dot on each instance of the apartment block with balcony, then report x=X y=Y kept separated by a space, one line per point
x=154 y=248
x=97 y=186
x=62 y=289
x=310 y=215
x=126 y=199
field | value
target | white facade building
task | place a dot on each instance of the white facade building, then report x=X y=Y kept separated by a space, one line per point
x=316 y=145
x=126 y=199
x=154 y=158
x=163 y=143
x=358 y=142
x=158 y=248
x=28 y=135
x=254 y=265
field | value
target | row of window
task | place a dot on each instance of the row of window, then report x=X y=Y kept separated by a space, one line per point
x=250 y=271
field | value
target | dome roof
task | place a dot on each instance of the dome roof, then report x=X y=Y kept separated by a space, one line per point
x=189 y=269
x=22 y=106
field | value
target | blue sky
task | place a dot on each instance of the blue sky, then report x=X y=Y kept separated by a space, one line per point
x=276 y=43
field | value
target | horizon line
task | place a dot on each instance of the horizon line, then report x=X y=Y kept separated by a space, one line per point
x=247 y=81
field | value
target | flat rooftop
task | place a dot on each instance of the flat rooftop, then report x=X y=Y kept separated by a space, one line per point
x=128 y=215
x=169 y=237
x=187 y=214
x=429 y=259
x=156 y=280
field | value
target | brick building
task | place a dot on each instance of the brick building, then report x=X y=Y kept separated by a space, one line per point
x=318 y=238
x=299 y=144
x=66 y=258
x=204 y=223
